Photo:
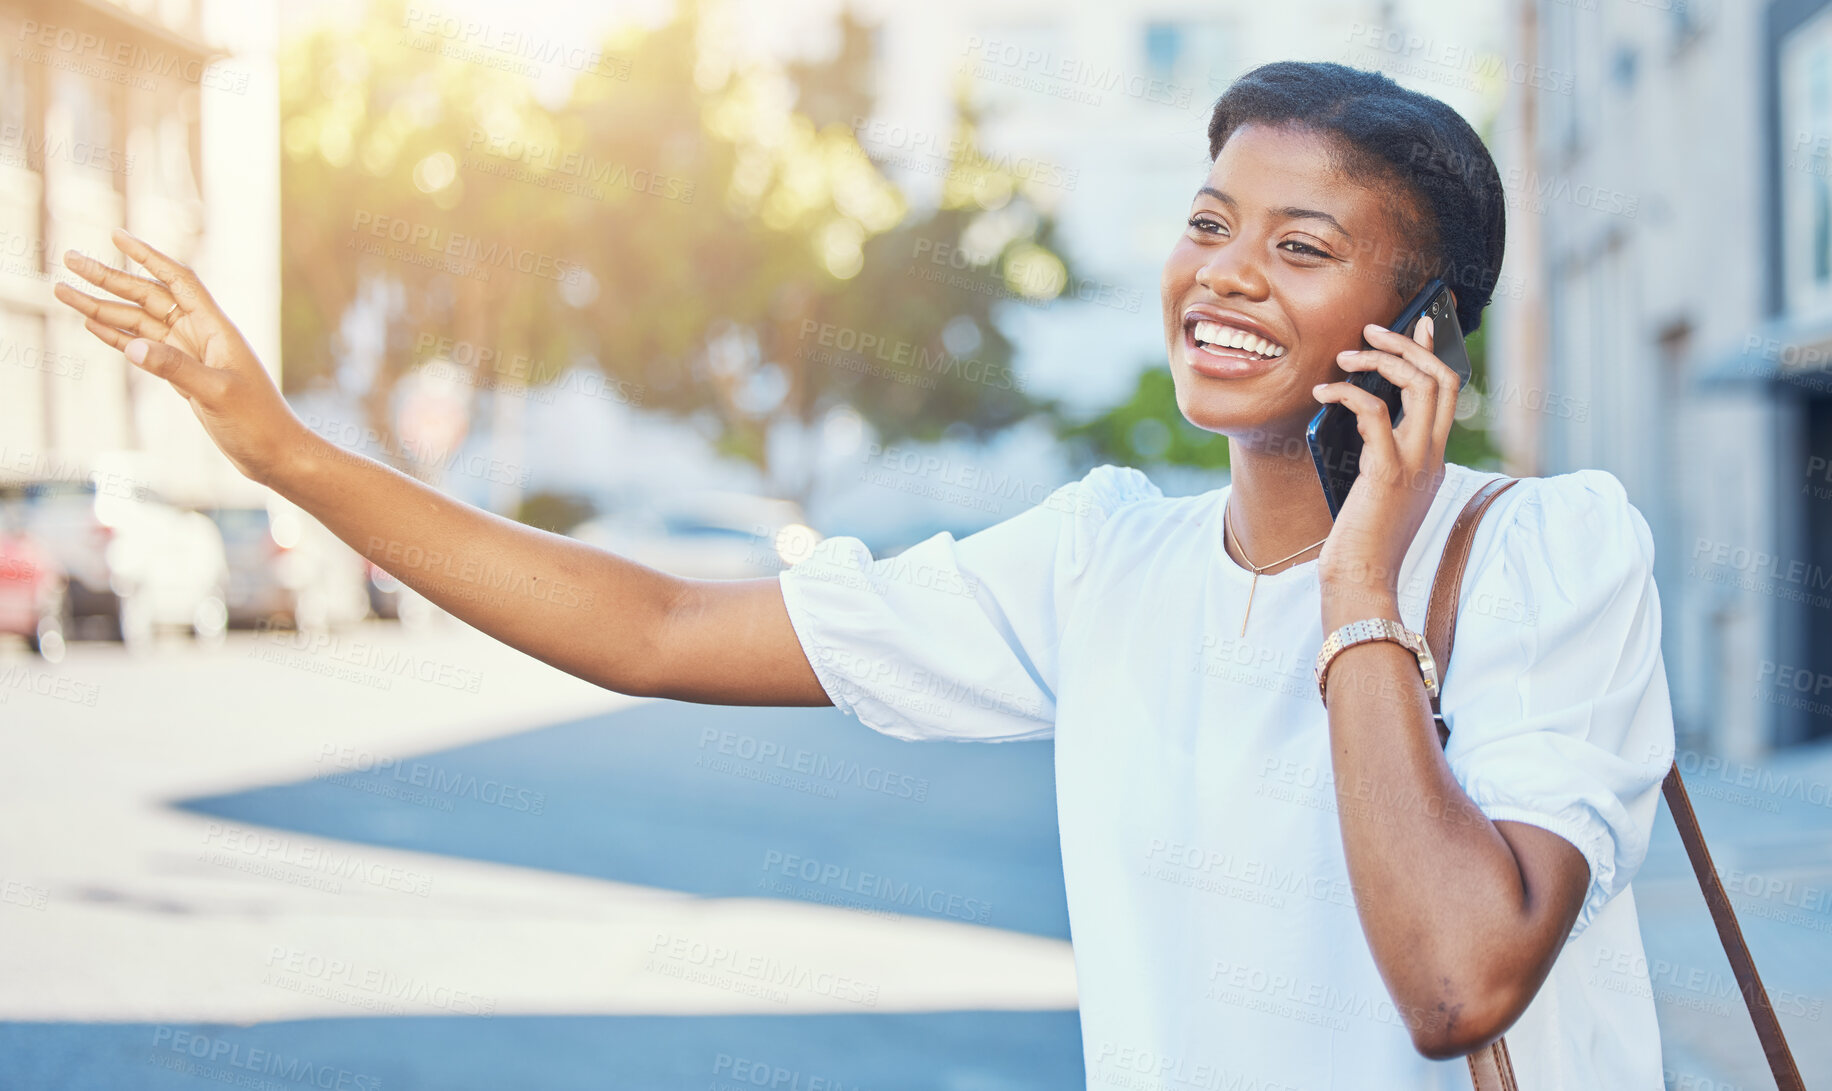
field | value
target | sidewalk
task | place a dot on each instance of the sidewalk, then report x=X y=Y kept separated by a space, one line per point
x=1769 y=827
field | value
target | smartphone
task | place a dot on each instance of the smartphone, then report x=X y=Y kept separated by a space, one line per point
x=1335 y=442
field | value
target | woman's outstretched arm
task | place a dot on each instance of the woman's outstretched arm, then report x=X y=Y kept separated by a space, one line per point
x=591 y=613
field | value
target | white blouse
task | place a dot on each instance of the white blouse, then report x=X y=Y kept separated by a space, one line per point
x=1215 y=935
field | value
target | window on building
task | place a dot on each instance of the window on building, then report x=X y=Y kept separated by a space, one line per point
x=14 y=103
x=1197 y=55
x=1564 y=133
x=1687 y=21
x=1806 y=167
x=1163 y=46
x=1623 y=66
x=92 y=137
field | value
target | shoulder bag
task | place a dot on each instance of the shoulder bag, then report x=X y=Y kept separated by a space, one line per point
x=1489 y=1067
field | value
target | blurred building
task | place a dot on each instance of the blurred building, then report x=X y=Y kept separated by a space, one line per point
x=1669 y=319
x=1101 y=111
x=1104 y=108
x=160 y=116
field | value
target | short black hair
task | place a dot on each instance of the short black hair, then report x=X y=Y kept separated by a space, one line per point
x=1400 y=137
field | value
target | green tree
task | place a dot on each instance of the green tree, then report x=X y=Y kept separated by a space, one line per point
x=719 y=232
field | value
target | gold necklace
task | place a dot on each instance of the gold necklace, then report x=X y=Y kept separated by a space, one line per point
x=1257 y=569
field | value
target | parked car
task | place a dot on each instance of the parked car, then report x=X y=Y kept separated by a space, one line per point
x=75 y=522
x=707 y=534
x=258 y=593
x=328 y=580
x=393 y=600
x=33 y=597
x=172 y=573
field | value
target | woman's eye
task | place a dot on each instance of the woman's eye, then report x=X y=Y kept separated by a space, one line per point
x=1203 y=223
x=1306 y=250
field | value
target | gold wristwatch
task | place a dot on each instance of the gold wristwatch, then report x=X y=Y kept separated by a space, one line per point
x=1376 y=628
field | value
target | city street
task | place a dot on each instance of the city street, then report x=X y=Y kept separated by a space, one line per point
x=408 y=860
x=273 y=860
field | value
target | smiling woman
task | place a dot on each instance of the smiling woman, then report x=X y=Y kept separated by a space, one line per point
x=1264 y=889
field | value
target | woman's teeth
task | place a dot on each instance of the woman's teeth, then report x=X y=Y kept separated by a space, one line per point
x=1214 y=333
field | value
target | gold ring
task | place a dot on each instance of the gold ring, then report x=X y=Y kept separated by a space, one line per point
x=167 y=320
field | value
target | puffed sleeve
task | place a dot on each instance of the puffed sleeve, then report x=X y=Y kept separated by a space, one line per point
x=1556 y=694
x=955 y=639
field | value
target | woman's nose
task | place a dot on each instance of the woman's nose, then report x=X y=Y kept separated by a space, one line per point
x=1233 y=269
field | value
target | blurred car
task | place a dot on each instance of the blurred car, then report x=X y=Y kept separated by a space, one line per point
x=75 y=521
x=707 y=534
x=384 y=593
x=393 y=600
x=169 y=567
x=327 y=579
x=258 y=593
x=33 y=597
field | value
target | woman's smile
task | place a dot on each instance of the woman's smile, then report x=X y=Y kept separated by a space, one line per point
x=1220 y=344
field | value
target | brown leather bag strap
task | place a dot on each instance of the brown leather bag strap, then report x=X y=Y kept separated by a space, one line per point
x=1730 y=933
x=1447 y=587
x=1490 y=1068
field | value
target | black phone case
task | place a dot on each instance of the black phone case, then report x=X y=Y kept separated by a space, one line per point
x=1335 y=441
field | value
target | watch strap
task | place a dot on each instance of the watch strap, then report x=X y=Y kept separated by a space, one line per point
x=1367 y=630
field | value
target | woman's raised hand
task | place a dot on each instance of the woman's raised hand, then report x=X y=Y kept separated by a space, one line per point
x=170 y=327
x=1401 y=467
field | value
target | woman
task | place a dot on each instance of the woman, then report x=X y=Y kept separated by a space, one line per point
x=1265 y=889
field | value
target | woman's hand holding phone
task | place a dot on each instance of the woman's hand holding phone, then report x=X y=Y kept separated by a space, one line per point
x=171 y=328
x=1400 y=468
